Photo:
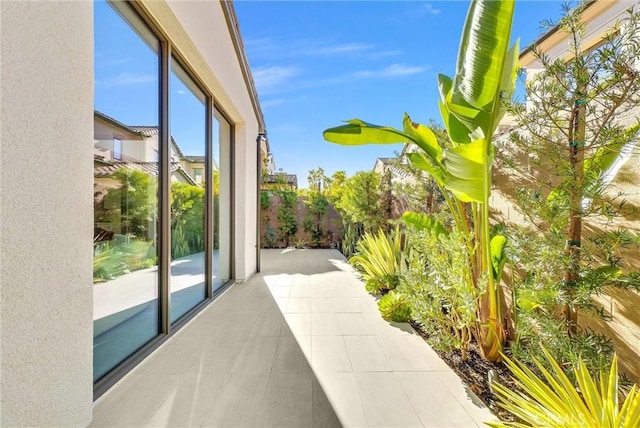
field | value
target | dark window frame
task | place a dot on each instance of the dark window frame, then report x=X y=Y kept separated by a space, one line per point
x=165 y=328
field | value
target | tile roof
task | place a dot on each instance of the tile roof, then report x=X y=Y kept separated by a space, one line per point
x=191 y=158
x=290 y=179
x=147 y=131
x=150 y=168
x=119 y=124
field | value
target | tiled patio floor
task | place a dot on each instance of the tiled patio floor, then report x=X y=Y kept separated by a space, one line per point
x=299 y=345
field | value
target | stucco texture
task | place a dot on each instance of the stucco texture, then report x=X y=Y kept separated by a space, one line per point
x=46 y=216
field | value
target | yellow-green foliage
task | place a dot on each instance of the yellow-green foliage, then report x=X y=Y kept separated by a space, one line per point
x=555 y=402
x=379 y=258
x=394 y=306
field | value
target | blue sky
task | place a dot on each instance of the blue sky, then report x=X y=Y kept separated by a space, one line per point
x=316 y=64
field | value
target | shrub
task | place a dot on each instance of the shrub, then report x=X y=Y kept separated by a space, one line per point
x=394 y=306
x=441 y=297
x=287 y=213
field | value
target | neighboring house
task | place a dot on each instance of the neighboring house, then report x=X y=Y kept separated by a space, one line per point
x=117 y=146
x=280 y=180
x=65 y=337
x=389 y=165
x=195 y=166
x=601 y=19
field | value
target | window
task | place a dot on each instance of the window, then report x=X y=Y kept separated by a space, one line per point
x=221 y=200
x=117 y=148
x=163 y=199
x=197 y=175
x=125 y=240
x=188 y=119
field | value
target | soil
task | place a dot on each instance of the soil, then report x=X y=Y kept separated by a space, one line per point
x=473 y=372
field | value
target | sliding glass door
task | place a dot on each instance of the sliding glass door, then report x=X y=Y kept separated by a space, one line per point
x=221 y=200
x=162 y=191
x=187 y=121
x=125 y=258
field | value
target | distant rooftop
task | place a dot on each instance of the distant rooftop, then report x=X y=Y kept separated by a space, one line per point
x=290 y=179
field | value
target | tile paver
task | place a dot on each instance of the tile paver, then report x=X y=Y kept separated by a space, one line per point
x=299 y=345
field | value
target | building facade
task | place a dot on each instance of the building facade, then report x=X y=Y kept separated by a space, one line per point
x=131 y=145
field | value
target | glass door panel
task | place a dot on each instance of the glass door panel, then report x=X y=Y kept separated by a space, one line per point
x=221 y=201
x=125 y=259
x=187 y=146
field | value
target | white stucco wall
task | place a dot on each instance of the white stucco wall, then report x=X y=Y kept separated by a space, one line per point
x=46 y=214
x=595 y=29
x=209 y=50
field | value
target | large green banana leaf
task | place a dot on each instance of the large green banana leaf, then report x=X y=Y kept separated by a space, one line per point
x=481 y=56
x=358 y=132
x=468 y=171
x=424 y=222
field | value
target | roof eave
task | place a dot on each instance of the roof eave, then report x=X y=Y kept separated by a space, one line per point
x=234 y=30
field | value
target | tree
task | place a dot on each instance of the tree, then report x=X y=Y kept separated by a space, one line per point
x=387 y=200
x=318 y=181
x=360 y=200
x=135 y=198
x=573 y=132
x=317 y=205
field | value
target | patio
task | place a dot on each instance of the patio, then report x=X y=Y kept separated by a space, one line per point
x=300 y=344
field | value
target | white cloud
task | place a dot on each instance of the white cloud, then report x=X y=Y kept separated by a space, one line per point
x=336 y=49
x=430 y=10
x=128 y=79
x=394 y=70
x=268 y=79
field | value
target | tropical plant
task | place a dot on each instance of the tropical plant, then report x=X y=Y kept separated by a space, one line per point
x=108 y=263
x=554 y=401
x=112 y=259
x=379 y=258
x=394 y=307
x=350 y=234
x=471 y=104
x=576 y=129
x=300 y=244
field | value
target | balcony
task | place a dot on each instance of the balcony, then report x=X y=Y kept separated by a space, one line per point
x=300 y=344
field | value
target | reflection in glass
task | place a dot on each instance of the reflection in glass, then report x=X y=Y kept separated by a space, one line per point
x=125 y=273
x=221 y=201
x=188 y=142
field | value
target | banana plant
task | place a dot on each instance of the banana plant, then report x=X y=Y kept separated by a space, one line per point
x=471 y=105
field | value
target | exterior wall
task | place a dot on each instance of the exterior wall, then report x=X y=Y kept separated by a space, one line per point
x=46 y=192
x=201 y=35
x=46 y=204
x=600 y=19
